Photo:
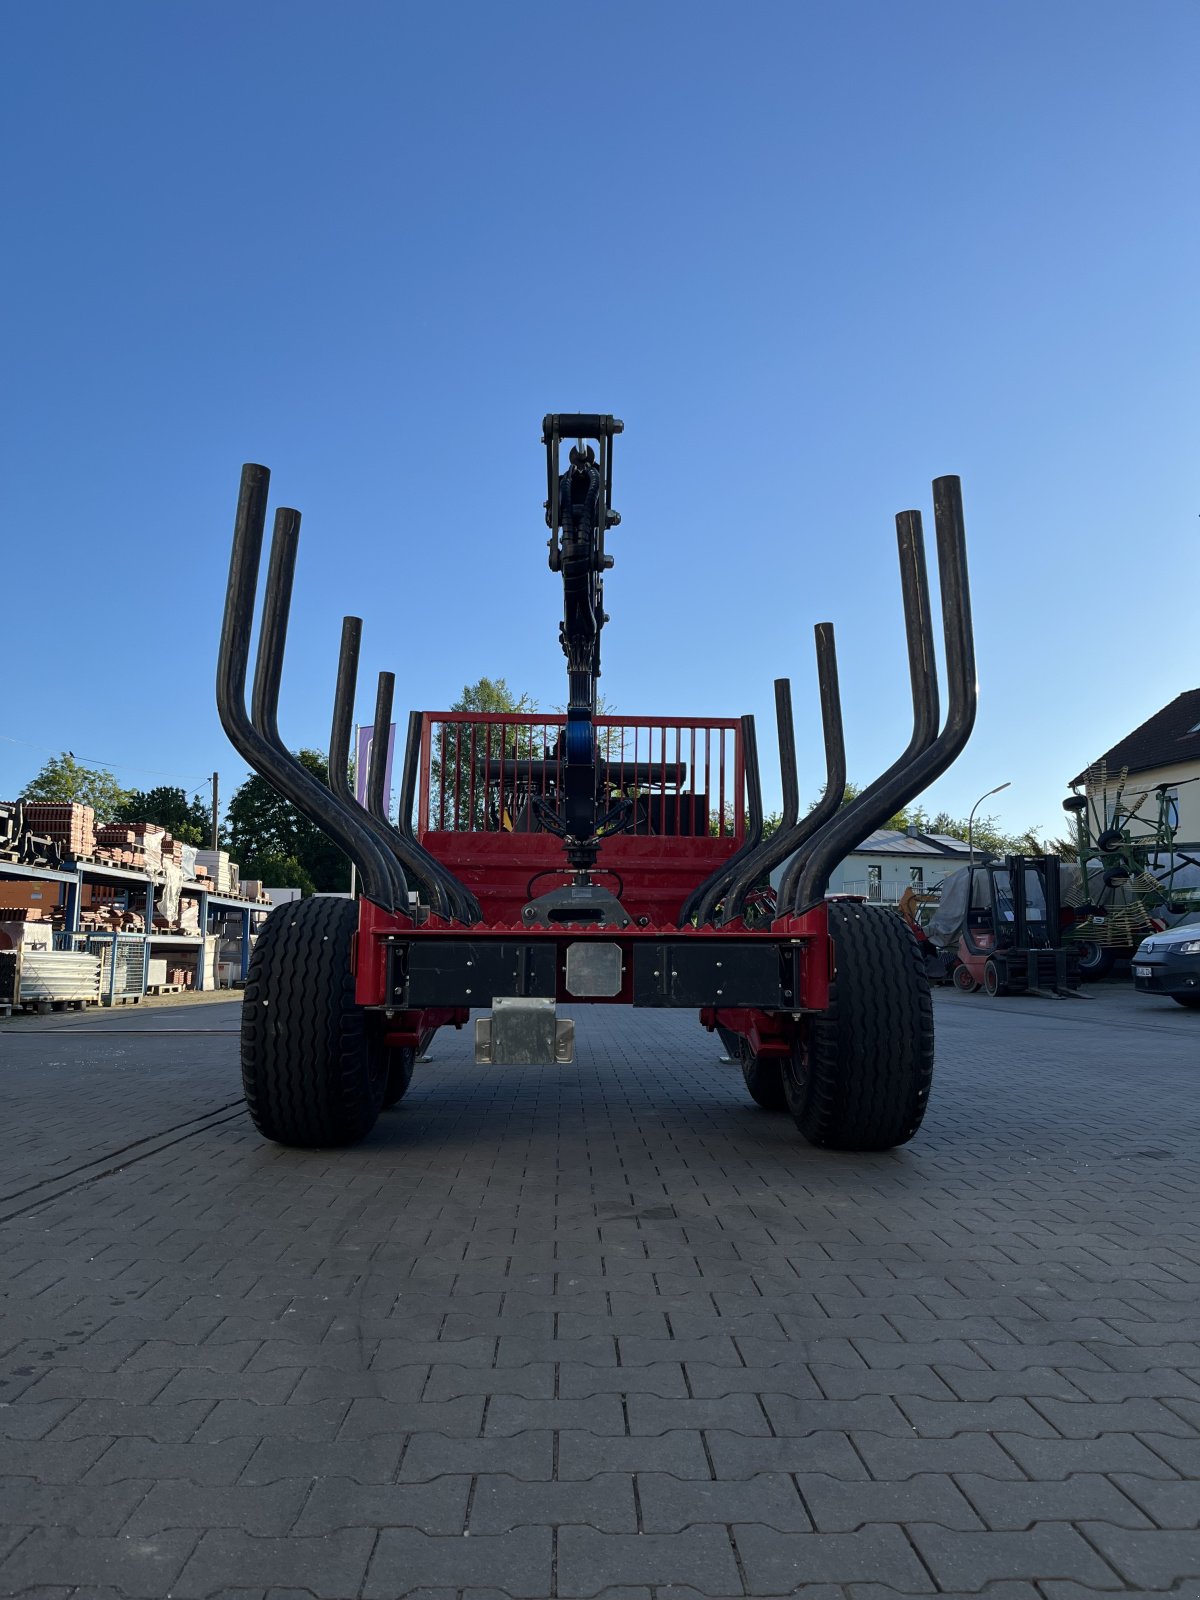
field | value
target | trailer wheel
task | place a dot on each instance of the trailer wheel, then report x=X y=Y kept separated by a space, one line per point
x=858 y=1078
x=399 y=1075
x=764 y=1078
x=963 y=980
x=312 y=1075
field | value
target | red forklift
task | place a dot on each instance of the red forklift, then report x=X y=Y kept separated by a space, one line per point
x=546 y=861
x=999 y=927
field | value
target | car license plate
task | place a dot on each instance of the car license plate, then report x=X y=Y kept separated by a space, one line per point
x=1142 y=972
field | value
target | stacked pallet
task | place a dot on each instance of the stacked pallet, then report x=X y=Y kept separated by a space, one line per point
x=219 y=868
x=120 y=844
x=72 y=826
x=110 y=918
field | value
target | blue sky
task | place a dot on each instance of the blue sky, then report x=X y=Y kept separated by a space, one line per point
x=813 y=255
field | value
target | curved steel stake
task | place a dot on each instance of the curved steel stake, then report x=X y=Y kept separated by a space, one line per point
x=256 y=737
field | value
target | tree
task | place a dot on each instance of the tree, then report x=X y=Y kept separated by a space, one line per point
x=170 y=808
x=64 y=779
x=282 y=872
x=458 y=745
x=897 y=823
x=267 y=833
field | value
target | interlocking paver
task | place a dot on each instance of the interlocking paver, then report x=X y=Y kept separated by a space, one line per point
x=1019 y=1505
x=518 y=1563
x=837 y=1506
x=670 y=1504
x=1048 y=1550
x=606 y=1501
x=613 y=1326
x=775 y=1563
x=589 y=1560
x=331 y=1566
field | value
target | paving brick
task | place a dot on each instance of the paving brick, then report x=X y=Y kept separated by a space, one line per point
x=1084 y=1495
x=795 y=1417
x=670 y=1504
x=143 y=1569
x=534 y=1381
x=518 y=1563
x=138 y=1459
x=1048 y=1550
x=1059 y=1458
x=438 y=1506
x=740 y=1413
x=896 y=1459
x=836 y=1506
x=582 y=1455
x=256 y=1509
x=776 y=1563
x=331 y=1567
x=1089 y=1419
x=1167 y=1503
x=510 y=1414
x=736 y=1455
x=524 y=1455
x=280 y=1460
x=578 y=1381
x=606 y=1502
x=589 y=1560
x=94 y=1509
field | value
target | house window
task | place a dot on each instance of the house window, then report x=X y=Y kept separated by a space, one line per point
x=916 y=876
x=875 y=883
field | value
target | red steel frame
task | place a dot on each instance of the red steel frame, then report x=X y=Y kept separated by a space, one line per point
x=657 y=872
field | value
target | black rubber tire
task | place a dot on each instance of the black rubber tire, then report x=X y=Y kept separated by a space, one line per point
x=311 y=1074
x=763 y=1077
x=963 y=981
x=993 y=980
x=1095 y=960
x=859 y=1077
x=399 y=1075
x=1191 y=1001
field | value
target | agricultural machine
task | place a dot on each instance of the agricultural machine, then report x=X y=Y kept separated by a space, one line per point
x=585 y=859
x=1132 y=877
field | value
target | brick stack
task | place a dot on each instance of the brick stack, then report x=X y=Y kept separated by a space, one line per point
x=71 y=825
x=119 y=843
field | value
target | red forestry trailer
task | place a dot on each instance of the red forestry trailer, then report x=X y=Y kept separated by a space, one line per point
x=583 y=859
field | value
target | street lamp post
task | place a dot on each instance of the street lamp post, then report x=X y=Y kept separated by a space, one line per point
x=971 y=819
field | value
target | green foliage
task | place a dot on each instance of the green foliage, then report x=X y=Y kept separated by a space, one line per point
x=897 y=823
x=65 y=779
x=266 y=830
x=493 y=697
x=282 y=872
x=170 y=808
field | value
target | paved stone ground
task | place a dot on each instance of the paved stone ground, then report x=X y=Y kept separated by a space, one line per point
x=608 y=1330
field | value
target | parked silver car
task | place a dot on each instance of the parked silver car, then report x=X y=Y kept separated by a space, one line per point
x=1168 y=963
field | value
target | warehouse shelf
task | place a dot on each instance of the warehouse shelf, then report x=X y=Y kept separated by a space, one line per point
x=73 y=875
x=15 y=869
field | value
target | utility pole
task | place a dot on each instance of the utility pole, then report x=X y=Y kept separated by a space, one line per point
x=214 y=811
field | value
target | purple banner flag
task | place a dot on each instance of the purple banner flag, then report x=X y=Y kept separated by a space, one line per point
x=362 y=760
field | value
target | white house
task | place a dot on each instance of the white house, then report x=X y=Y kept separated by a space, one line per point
x=887 y=863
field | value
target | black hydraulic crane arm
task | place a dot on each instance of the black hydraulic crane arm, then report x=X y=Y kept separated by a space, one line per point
x=578 y=514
